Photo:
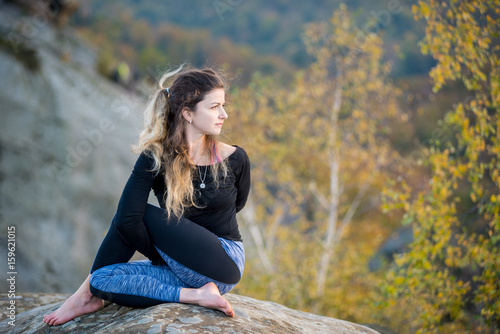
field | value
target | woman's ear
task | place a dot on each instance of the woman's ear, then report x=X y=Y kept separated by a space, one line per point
x=186 y=114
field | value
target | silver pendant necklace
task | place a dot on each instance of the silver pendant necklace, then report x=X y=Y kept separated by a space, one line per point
x=202 y=184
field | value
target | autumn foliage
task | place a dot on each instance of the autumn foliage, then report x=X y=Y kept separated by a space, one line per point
x=323 y=170
x=451 y=275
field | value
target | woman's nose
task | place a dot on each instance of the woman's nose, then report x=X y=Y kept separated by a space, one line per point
x=223 y=114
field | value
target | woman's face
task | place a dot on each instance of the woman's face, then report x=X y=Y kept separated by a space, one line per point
x=209 y=114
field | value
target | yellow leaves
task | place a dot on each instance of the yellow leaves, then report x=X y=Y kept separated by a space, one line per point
x=466 y=16
x=454 y=257
x=422 y=9
x=444 y=193
x=399 y=280
x=491 y=21
x=483 y=42
x=460 y=43
x=422 y=280
x=439 y=28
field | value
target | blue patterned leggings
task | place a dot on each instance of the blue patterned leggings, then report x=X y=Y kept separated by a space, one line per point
x=193 y=257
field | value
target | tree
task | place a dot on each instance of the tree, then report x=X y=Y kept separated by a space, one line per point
x=319 y=145
x=452 y=272
x=348 y=85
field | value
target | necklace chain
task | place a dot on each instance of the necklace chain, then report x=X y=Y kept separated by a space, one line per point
x=202 y=184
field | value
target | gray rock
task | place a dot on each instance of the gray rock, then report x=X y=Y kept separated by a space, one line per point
x=65 y=136
x=252 y=316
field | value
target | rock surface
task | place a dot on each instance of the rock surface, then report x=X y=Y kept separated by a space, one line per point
x=252 y=316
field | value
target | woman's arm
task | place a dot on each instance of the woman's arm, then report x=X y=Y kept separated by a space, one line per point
x=243 y=181
x=132 y=206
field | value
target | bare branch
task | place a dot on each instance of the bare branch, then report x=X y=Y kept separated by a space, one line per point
x=319 y=196
x=280 y=214
x=249 y=217
x=355 y=203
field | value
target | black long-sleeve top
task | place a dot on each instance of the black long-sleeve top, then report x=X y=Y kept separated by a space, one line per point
x=220 y=205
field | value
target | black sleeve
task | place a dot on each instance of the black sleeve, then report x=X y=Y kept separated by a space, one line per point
x=243 y=181
x=132 y=206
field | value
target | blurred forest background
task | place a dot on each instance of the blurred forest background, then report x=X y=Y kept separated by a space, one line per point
x=373 y=132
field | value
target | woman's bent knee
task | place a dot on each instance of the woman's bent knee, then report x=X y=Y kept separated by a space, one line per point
x=95 y=287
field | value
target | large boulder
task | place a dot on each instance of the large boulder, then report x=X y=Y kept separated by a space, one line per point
x=252 y=316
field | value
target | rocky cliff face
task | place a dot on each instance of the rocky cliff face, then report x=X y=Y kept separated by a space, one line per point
x=252 y=316
x=65 y=136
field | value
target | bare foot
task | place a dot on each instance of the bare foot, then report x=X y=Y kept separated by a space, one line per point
x=81 y=302
x=207 y=296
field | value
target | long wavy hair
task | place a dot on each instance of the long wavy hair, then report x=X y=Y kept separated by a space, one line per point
x=164 y=136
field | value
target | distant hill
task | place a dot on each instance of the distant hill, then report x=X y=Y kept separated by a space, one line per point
x=264 y=35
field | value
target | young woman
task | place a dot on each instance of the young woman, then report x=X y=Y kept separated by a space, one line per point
x=194 y=248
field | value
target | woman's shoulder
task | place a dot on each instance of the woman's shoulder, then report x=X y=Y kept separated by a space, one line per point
x=232 y=152
x=146 y=162
x=226 y=150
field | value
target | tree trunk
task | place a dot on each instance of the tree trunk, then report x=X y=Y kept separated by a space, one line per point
x=250 y=221
x=333 y=205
